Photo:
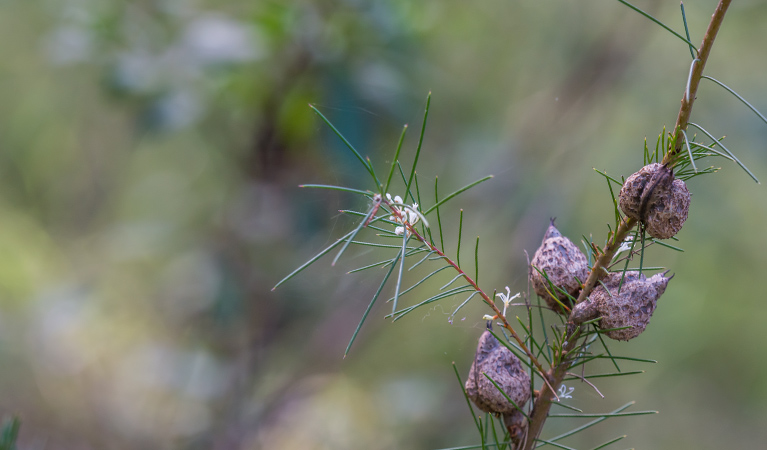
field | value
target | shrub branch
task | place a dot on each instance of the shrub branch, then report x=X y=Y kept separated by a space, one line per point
x=557 y=373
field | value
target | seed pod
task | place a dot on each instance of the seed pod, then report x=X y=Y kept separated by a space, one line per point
x=516 y=423
x=632 y=307
x=655 y=197
x=497 y=361
x=563 y=263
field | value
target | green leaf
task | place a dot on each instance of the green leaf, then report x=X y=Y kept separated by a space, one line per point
x=742 y=166
x=687 y=31
x=606 y=375
x=421 y=281
x=311 y=261
x=337 y=188
x=370 y=306
x=458 y=290
x=439 y=220
x=749 y=105
x=612 y=441
x=689 y=151
x=459 y=191
x=394 y=161
x=589 y=424
x=368 y=166
x=466 y=396
x=9 y=433
x=354 y=234
x=463 y=304
x=606 y=415
x=460 y=236
x=420 y=143
x=687 y=41
x=555 y=444
x=401 y=268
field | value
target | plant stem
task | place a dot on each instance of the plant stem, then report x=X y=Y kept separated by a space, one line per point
x=686 y=109
x=543 y=401
x=473 y=284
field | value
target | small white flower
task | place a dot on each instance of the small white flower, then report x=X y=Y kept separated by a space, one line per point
x=626 y=245
x=407 y=214
x=507 y=298
x=565 y=392
x=488 y=317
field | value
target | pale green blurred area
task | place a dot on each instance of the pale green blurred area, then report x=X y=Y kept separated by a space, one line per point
x=150 y=154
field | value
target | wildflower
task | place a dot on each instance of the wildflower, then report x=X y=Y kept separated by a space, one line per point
x=507 y=298
x=625 y=245
x=407 y=214
x=565 y=392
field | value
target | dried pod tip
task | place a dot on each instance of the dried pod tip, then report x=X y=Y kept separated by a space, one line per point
x=496 y=361
x=564 y=265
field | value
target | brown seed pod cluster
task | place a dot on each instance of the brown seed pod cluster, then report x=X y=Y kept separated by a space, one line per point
x=497 y=361
x=564 y=264
x=631 y=307
x=656 y=198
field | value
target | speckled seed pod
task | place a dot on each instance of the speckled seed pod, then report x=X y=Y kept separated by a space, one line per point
x=655 y=197
x=564 y=264
x=504 y=368
x=632 y=307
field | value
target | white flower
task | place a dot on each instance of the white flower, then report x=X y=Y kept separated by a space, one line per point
x=626 y=245
x=488 y=317
x=507 y=298
x=407 y=214
x=564 y=392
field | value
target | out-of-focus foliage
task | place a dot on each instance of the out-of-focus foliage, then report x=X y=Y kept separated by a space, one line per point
x=149 y=157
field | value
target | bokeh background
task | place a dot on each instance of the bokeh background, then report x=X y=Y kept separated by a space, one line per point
x=150 y=157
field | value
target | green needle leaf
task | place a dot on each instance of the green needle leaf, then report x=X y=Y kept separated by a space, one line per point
x=637 y=413
x=9 y=433
x=689 y=151
x=370 y=306
x=368 y=166
x=311 y=261
x=687 y=31
x=466 y=396
x=337 y=188
x=750 y=106
x=459 y=191
x=394 y=161
x=354 y=234
x=460 y=231
x=589 y=424
x=439 y=219
x=612 y=441
x=420 y=142
x=401 y=267
x=719 y=142
x=687 y=41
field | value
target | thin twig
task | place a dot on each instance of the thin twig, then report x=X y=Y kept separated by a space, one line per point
x=582 y=378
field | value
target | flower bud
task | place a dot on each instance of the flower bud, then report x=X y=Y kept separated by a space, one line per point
x=500 y=364
x=656 y=198
x=564 y=264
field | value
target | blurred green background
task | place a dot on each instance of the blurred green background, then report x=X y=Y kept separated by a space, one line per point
x=150 y=153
